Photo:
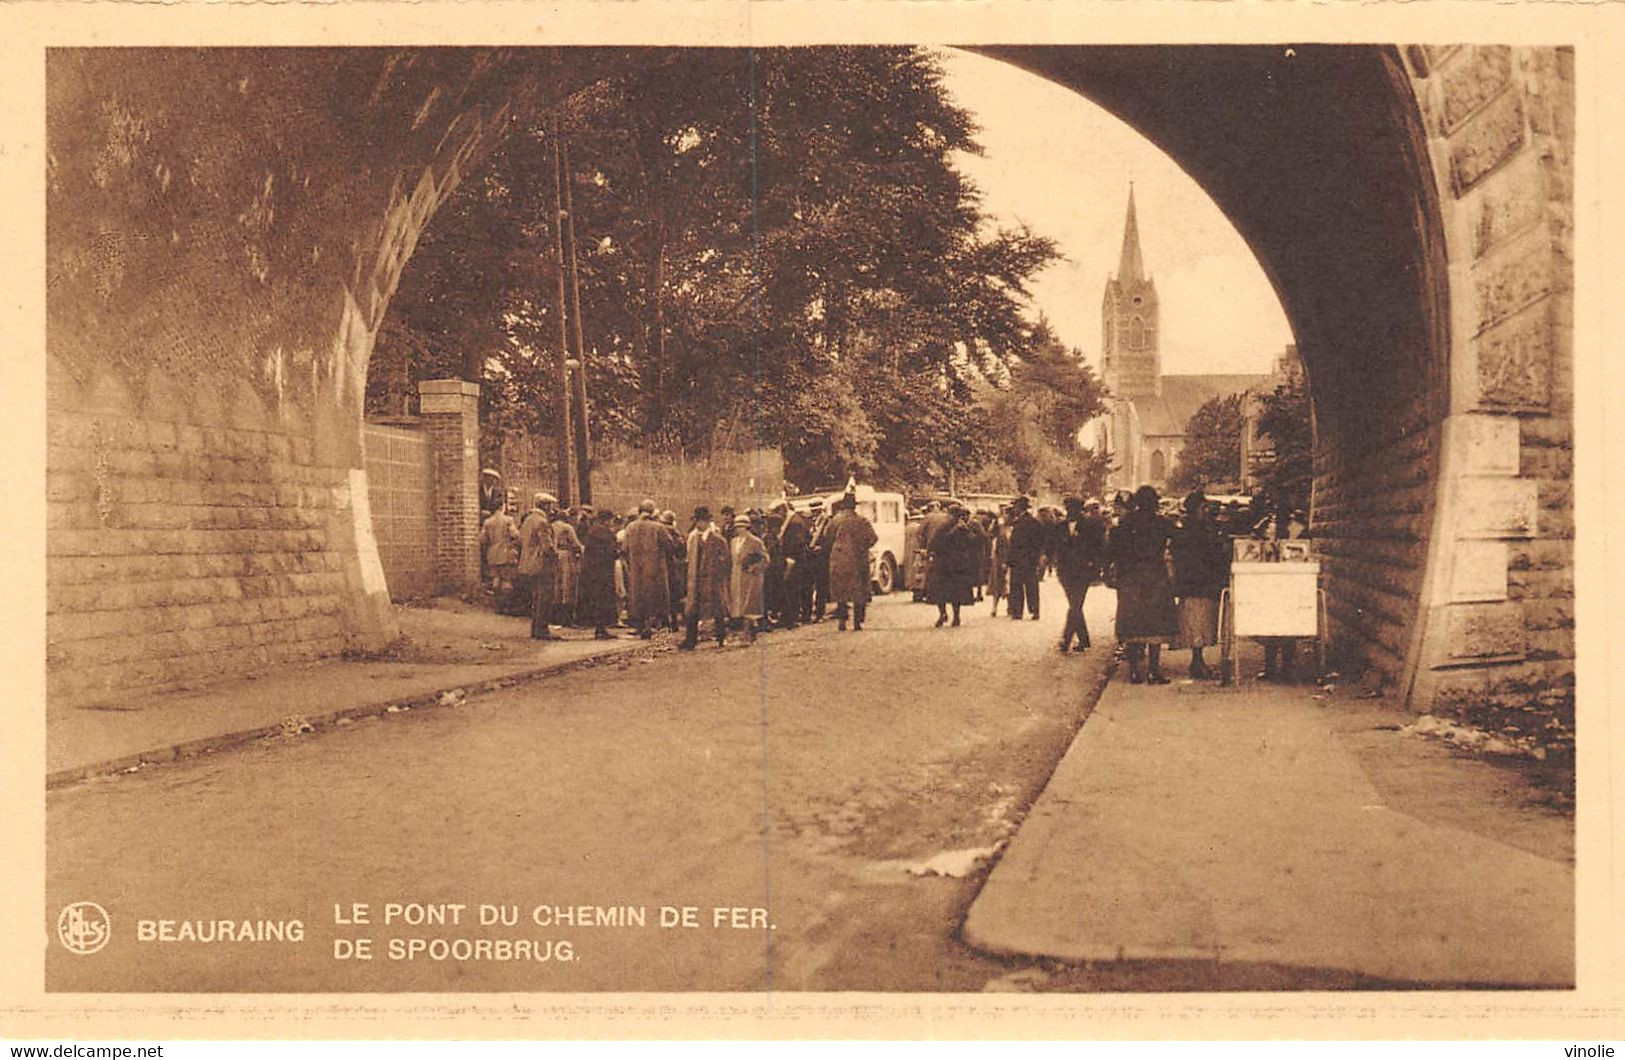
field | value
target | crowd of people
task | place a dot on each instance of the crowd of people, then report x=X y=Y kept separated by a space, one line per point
x=1168 y=564
x=758 y=570
x=747 y=572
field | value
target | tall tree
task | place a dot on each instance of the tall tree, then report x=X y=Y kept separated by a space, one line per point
x=1037 y=414
x=775 y=248
x=1285 y=416
x=1212 y=450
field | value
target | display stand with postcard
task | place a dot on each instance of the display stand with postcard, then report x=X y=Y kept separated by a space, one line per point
x=1274 y=593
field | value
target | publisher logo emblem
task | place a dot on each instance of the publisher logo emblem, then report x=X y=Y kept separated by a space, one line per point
x=83 y=927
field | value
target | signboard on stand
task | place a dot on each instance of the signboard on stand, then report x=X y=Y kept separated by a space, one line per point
x=1275 y=599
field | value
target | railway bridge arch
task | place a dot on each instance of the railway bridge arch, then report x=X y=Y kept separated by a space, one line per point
x=225 y=229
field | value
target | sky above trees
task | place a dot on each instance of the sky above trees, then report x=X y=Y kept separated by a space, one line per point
x=1060 y=164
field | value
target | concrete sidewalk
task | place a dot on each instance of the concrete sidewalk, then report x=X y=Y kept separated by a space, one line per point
x=1188 y=823
x=448 y=646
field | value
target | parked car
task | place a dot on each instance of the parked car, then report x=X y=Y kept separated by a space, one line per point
x=887 y=513
x=989 y=501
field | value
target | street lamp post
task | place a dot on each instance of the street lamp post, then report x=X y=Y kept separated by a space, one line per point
x=583 y=439
x=566 y=446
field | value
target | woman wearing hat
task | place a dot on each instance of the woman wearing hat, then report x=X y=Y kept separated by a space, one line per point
x=1201 y=557
x=598 y=604
x=746 y=582
x=1146 y=620
x=567 y=543
x=951 y=577
x=998 y=568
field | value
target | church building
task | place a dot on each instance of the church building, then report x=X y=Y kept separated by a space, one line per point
x=1143 y=429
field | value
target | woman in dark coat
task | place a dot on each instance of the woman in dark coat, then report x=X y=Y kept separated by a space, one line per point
x=599 y=607
x=984 y=553
x=1138 y=550
x=1201 y=556
x=951 y=577
x=998 y=560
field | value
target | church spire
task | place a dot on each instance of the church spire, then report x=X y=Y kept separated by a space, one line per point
x=1131 y=268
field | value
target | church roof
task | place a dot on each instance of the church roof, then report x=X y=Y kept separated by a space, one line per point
x=1166 y=414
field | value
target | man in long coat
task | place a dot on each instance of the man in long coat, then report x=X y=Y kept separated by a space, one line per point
x=676 y=568
x=937 y=518
x=849 y=537
x=794 y=537
x=648 y=587
x=539 y=563
x=1079 y=553
x=709 y=565
x=1025 y=556
x=767 y=526
x=816 y=590
x=598 y=606
x=499 y=537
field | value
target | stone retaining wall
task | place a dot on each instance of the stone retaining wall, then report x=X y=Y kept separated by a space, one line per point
x=178 y=552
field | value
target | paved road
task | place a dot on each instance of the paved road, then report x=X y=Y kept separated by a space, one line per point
x=777 y=800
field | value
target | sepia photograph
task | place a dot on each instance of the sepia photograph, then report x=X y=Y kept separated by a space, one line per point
x=845 y=519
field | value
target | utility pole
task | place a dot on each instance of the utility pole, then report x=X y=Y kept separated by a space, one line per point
x=566 y=445
x=583 y=439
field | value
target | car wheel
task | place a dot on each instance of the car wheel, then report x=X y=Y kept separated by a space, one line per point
x=886 y=577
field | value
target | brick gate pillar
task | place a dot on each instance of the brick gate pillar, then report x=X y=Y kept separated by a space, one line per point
x=450 y=410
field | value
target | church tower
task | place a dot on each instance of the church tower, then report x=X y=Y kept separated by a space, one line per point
x=1130 y=362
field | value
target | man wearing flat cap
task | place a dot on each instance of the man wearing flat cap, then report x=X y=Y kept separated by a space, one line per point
x=538 y=562
x=815 y=591
x=649 y=548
